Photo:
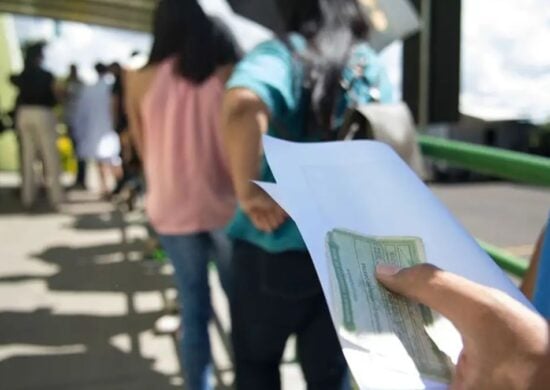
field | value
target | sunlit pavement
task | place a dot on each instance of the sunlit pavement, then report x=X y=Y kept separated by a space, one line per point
x=78 y=303
x=506 y=215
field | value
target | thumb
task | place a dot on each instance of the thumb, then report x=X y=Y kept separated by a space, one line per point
x=461 y=301
x=412 y=283
x=407 y=281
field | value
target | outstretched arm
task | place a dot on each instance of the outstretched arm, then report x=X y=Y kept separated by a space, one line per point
x=245 y=118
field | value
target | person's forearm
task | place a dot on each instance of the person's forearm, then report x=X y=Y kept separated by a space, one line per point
x=242 y=125
x=136 y=134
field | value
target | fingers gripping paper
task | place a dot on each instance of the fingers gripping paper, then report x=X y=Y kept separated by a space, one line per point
x=331 y=189
x=390 y=327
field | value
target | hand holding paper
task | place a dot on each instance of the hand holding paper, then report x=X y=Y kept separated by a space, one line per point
x=364 y=187
x=388 y=326
x=505 y=342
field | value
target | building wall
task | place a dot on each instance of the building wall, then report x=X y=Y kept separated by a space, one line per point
x=10 y=61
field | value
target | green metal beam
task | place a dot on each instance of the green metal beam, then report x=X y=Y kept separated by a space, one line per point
x=504 y=164
x=129 y=14
x=508 y=262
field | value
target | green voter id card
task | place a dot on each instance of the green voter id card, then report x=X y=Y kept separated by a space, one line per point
x=388 y=326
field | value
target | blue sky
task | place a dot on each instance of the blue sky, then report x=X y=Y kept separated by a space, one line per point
x=505 y=64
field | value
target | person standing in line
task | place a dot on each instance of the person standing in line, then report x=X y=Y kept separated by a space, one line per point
x=36 y=124
x=120 y=117
x=128 y=160
x=94 y=130
x=174 y=107
x=290 y=88
x=73 y=89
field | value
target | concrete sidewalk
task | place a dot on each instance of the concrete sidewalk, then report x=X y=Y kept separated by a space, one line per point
x=78 y=303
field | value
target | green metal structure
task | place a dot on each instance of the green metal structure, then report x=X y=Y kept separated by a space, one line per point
x=504 y=164
x=506 y=261
x=127 y=14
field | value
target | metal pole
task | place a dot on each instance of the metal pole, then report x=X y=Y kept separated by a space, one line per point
x=424 y=68
x=501 y=163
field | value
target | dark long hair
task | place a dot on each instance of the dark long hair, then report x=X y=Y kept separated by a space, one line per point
x=199 y=43
x=332 y=28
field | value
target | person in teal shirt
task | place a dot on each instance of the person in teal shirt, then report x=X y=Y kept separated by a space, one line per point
x=271 y=72
x=289 y=88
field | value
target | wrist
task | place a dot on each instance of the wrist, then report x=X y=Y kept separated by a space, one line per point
x=246 y=191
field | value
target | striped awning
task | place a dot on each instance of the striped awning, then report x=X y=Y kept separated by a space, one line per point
x=125 y=14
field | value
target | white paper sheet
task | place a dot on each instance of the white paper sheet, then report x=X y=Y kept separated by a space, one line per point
x=365 y=187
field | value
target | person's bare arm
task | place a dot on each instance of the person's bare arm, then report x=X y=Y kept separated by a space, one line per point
x=244 y=119
x=506 y=345
x=132 y=108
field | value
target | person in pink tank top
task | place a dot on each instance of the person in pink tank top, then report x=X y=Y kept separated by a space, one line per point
x=174 y=106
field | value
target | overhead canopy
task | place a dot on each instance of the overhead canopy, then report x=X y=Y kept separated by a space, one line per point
x=130 y=14
x=125 y=14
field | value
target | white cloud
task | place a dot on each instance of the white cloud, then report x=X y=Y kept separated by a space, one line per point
x=505 y=60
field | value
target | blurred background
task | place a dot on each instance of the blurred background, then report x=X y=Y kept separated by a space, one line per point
x=86 y=296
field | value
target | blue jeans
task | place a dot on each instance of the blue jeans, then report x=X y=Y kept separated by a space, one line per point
x=190 y=255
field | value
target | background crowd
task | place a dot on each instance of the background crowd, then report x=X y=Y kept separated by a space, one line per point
x=95 y=119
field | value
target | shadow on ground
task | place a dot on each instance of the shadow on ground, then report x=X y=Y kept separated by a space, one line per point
x=80 y=353
x=98 y=365
x=102 y=268
x=11 y=205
